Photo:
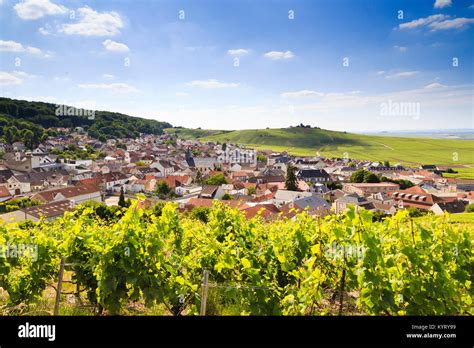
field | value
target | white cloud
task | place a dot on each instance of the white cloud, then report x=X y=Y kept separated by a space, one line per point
x=402 y=74
x=423 y=21
x=115 y=46
x=434 y=95
x=434 y=85
x=438 y=22
x=13 y=46
x=274 y=55
x=108 y=76
x=381 y=72
x=46 y=30
x=14 y=78
x=93 y=23
x=8 y=79
x=35 y=9
x=33 y=50
x=239 y=52
x=442 y=3
x=182 y=94
x=401 y=48
x=211 y=84
x=43 y=98
x=115 y=87
x=25 y=75
x=303 y=93
x=457 y=23
x=62 y=78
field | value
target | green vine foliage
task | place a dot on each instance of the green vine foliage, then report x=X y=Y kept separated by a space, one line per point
x=293 y=266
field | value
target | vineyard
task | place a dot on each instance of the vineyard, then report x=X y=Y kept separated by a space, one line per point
x=345 y=264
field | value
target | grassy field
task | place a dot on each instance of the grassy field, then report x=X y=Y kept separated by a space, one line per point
x=462 y=219
x=306 y=141
x=462 y=172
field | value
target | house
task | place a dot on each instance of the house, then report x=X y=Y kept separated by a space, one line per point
x=135 y=185
x=209 y=191
x=450 y=207
x=202 y=164
x=416 y=197
x=240 y=175
x=365 y=189
x=343 y=203
x=313 y=175
x=165 y=167
x=283 y=197
x=19 y=184
x=310 y=163
x=385 y=169
x=385 y=208
x=21 y=162
x=188 y=190
x=313 y=204
x=77 y=194
x=266 y=211
x=48 y=211
x=5 y=195
x=429 y=167
x=116 y=179
x=229 y=189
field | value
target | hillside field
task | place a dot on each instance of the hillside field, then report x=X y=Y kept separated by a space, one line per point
x=311 y=141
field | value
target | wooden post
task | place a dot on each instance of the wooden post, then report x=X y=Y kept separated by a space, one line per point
x=58 y=289
x=205 y=285
x=341 y=295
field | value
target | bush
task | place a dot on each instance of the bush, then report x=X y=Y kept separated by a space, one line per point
x=201 y=213
x=470 y=208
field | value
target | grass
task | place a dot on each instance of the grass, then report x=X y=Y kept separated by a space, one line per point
x=464 y=220
x=70 y=305
x=306 y=141
x=462 y=173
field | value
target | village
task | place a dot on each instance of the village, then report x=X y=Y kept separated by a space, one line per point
x=72 y=168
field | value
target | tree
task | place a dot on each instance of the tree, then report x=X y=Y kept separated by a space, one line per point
x=358 y=176
x=162 y=189
x=291 y=182
x=261 y=158
x=227 y=197
x=370 y=177
x=201 y=213
x=224 y=146
x=29 y=138
x=217 y=179
x=251 y=191
x=470 y=208
x=334 y=185
x=198 y=177
x=121 y=201
x=11 y=134
x=386 y=163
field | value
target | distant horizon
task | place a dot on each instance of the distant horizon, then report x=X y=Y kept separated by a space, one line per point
x=467 y=130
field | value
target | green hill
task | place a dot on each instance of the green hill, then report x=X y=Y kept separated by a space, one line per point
x=25 y=115
x=310 y=141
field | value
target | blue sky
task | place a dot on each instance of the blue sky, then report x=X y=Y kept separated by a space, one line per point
x=247 y=64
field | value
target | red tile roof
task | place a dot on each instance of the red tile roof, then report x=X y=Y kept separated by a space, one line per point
x=67 y=192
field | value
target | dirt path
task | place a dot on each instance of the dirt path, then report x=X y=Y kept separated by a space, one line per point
x=388 y=147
